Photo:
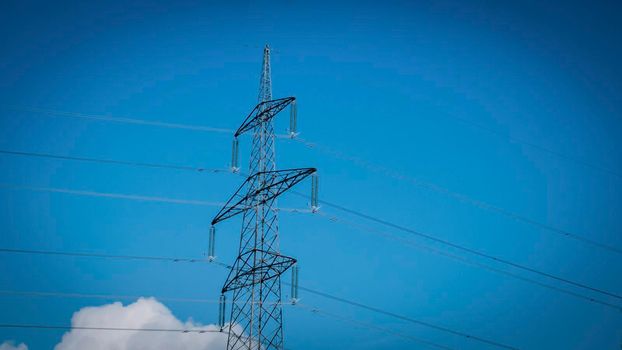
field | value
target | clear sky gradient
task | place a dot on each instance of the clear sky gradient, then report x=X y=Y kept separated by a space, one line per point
x=513 y=105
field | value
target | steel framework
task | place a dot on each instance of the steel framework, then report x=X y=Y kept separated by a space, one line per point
x=255 y=278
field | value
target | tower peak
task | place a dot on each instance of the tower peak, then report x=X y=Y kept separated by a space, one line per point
x=265 y=82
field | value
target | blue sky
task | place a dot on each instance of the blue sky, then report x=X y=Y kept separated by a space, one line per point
x=449 y=93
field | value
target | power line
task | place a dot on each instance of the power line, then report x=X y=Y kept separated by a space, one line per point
x=123 y=329
x=134 y=197
x=458 y=246
x=331 y=218
x=311 y=309
x=373 y=327
x=111 y=195
x=341 y=208
x=359 y=226
x=456 y=195
x=203 y=331
x=204 y=203
x=102 y=255
x=359 y=162
x=114 y=161
x=123 y=120
x=27 y=293
x=131 y=121
x=405 y=318
x=340 y=155
x=119 y=329
x=350 y=211
x=227 y=266
x=102 y=296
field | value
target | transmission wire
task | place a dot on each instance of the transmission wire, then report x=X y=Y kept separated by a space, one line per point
x=458 y=196
x=227 y=266
x=311 y=309
x=361 y=227
x=458 y=246
x=341 y=208
x=355 y=160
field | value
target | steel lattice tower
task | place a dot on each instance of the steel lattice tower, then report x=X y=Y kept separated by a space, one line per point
x=255 y=277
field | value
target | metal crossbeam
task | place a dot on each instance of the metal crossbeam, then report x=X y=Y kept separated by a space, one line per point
x=262 y=113
x=274 y=184
x=244 y=273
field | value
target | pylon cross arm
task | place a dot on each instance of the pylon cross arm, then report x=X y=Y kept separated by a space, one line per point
x=263 y=112
x=274 y=183
x=246 y=273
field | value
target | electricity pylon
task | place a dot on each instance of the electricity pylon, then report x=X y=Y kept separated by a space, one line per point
x=255 y=277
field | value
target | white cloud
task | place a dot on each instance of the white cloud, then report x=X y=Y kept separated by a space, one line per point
x=9 y=345
x=144 y=313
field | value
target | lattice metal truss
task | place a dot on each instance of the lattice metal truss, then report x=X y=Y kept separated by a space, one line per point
x=247 y=197
x=255 y=279
x=263 y=113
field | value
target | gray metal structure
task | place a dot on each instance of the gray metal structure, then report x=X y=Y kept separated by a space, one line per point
x=255 y=278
